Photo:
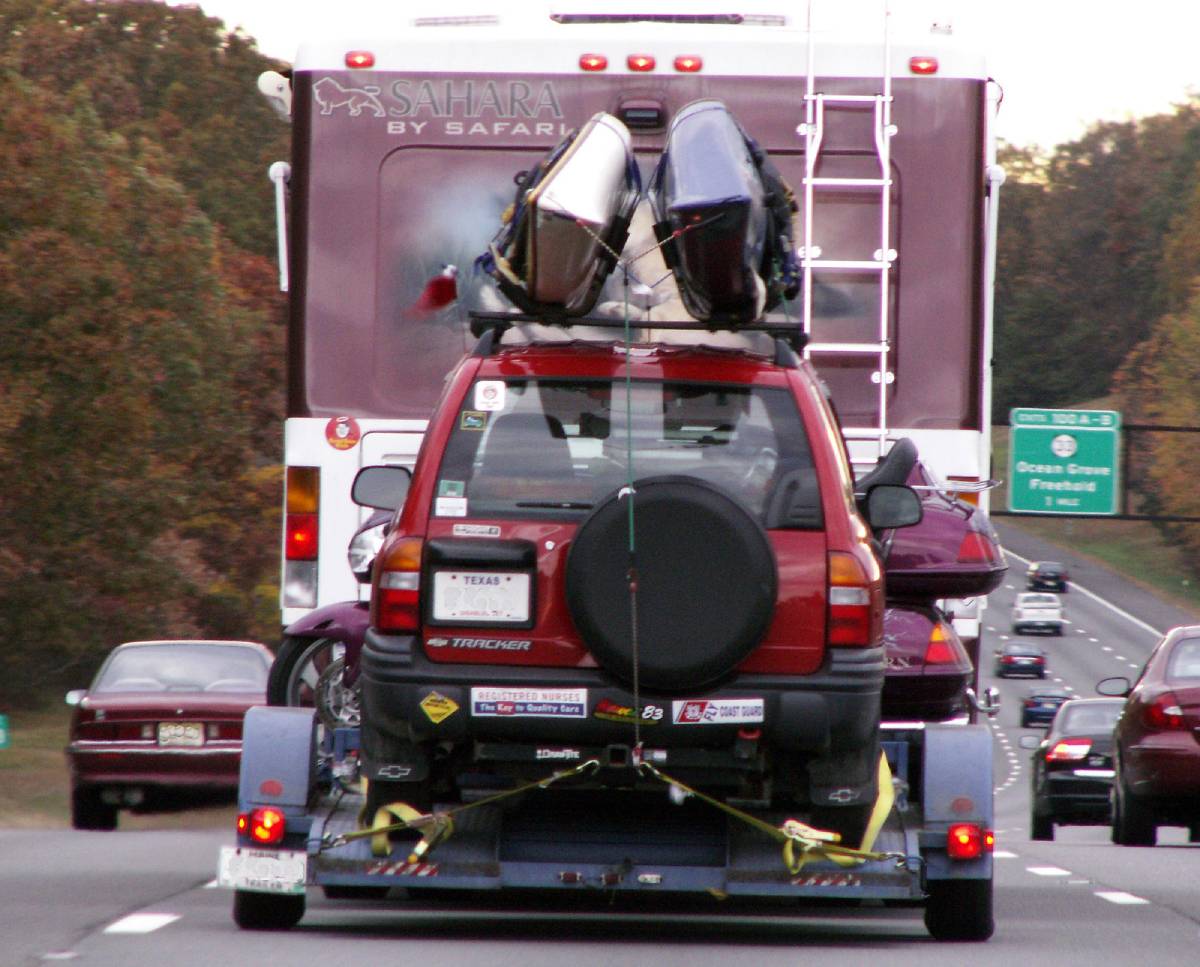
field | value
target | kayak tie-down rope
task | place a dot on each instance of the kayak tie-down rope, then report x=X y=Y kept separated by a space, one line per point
x=801 y=843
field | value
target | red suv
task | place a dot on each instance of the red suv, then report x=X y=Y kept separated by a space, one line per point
x=1157 y=742
x=654 y=552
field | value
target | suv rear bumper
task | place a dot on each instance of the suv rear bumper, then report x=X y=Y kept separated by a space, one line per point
x=409 y=698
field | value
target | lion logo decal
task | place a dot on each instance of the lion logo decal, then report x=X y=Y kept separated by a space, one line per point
x=330 y=94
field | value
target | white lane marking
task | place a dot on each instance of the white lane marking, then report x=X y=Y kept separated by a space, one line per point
x=1094 y=640
x=1047 y=871
x=60 y=955
x=1099 y=600
x=1106 y=648
x=141 y=923
x=1120 y=658
x=212 y=884
x=1003 y=854
x=1117 y=896
x=1134 y=664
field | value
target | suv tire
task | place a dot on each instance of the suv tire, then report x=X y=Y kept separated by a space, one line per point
x=694 y=623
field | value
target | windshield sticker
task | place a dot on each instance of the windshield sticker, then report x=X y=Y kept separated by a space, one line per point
x=438 y=707
x=343 y=432
x=718 y=711
x=452 y=488
x=489 y=395
x=450 y=507
x=476 y=530
x=542 y=703
x=473 y=420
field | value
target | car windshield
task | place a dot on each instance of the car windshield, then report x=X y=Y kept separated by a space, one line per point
x=183 y=667
x=1100 y=717
x=552 y=447
x=1185 y=660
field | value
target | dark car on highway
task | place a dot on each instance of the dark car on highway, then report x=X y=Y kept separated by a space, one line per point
x=1041 y=704
x=1046 y=576
x=1157 y=753
x=1072 y=769
x=1017 y=658
x=160 y=727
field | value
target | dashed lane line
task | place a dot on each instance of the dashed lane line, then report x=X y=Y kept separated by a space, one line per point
x=1119 y=896
x=1047 y=871
x=141 y=923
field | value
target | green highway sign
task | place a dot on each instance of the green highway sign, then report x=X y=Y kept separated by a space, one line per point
x=3 y=731
x=1064 y=461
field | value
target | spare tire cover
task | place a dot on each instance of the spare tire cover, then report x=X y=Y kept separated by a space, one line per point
x=706 y=582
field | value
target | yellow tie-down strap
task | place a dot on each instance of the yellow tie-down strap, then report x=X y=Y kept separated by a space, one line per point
x=801 y=842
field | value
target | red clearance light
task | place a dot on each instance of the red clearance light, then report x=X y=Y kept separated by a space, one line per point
x=640 y=62
x=360 y=58
x=923 y=65
x=593 y=62
x=265 y=825
x=688 y=65
x=300 y=537
x=967 y=841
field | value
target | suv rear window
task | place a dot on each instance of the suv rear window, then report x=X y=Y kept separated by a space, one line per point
x=538 y=448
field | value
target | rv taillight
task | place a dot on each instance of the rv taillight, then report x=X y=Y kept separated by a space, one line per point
x=360 y=58
x=922 y=65
x=640 y=63
x=593 y=62
x=302 y=522
x=688 y=65
x=396 y=603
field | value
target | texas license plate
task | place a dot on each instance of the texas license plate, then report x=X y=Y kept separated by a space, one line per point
x=500 y=596
x=262 y=870
x=181 y=733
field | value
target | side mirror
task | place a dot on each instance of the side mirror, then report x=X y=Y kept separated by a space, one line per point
x=75 y=696
x=1116 y=687
x=383 y=488
x=889 y=506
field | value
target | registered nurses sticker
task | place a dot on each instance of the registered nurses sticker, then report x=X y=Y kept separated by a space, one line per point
x=343 y=432
x=438 y=707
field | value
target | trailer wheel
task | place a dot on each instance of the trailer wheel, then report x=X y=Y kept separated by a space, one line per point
x=959 y=910
x=89 y=811
x=267 y=911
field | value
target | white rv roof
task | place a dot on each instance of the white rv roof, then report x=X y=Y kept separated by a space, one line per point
x=541 y=37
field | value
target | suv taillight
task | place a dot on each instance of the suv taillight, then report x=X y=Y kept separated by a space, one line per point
x=1164 y=713
x=396 y=603
x=854 y=619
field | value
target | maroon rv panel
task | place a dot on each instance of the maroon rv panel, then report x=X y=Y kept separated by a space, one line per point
x=414 y=172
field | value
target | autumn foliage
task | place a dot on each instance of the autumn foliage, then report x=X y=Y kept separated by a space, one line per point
x=141 y=339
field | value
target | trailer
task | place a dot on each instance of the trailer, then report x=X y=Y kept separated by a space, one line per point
x=300 y=827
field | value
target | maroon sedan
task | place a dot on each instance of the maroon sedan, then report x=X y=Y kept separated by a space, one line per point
x=161 y=727
x=1157 y=742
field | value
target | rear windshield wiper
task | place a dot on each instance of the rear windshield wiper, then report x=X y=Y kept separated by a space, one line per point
x=555 y=504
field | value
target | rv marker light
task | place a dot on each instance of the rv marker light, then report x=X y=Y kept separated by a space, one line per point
x=593 y=62
x=360 y=58
x=923 y=65
x=688 y=65
x=641 y=63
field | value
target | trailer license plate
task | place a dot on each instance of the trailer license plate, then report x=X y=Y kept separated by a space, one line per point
x=262 y=870
x=180 y=733
x=499 y=596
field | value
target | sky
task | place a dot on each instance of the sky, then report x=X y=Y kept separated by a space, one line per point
x=1063 y=64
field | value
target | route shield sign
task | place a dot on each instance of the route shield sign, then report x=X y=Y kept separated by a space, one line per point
x=1063 y=461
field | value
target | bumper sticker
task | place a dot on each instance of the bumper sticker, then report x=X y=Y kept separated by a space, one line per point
x=556 y=703
x=717 y=711
x=438 y=707
x=612 y=712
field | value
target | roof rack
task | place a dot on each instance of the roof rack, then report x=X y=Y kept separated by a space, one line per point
x=490 y=328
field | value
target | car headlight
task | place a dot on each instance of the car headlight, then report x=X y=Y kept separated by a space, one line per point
x=363 y=549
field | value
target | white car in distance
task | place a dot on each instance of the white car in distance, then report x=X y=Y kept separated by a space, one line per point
x=1038 y=611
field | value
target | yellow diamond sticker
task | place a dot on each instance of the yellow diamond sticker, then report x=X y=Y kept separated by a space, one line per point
x=438 y=707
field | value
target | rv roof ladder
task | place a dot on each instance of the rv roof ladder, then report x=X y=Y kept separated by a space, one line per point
x=881 y=261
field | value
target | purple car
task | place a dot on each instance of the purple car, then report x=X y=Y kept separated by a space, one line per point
x=928 y=669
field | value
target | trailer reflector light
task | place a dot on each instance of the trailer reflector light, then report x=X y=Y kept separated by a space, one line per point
x=360 y=58
x=688 y=65
x=265 y=825
x=640 y=63
x=967 y=841
x=593 y=62
x=923 y=65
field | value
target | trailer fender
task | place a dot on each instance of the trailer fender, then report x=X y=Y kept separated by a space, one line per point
x=957 y=787
x=278 y=758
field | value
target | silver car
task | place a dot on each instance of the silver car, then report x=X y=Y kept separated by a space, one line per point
x=1038 y=611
